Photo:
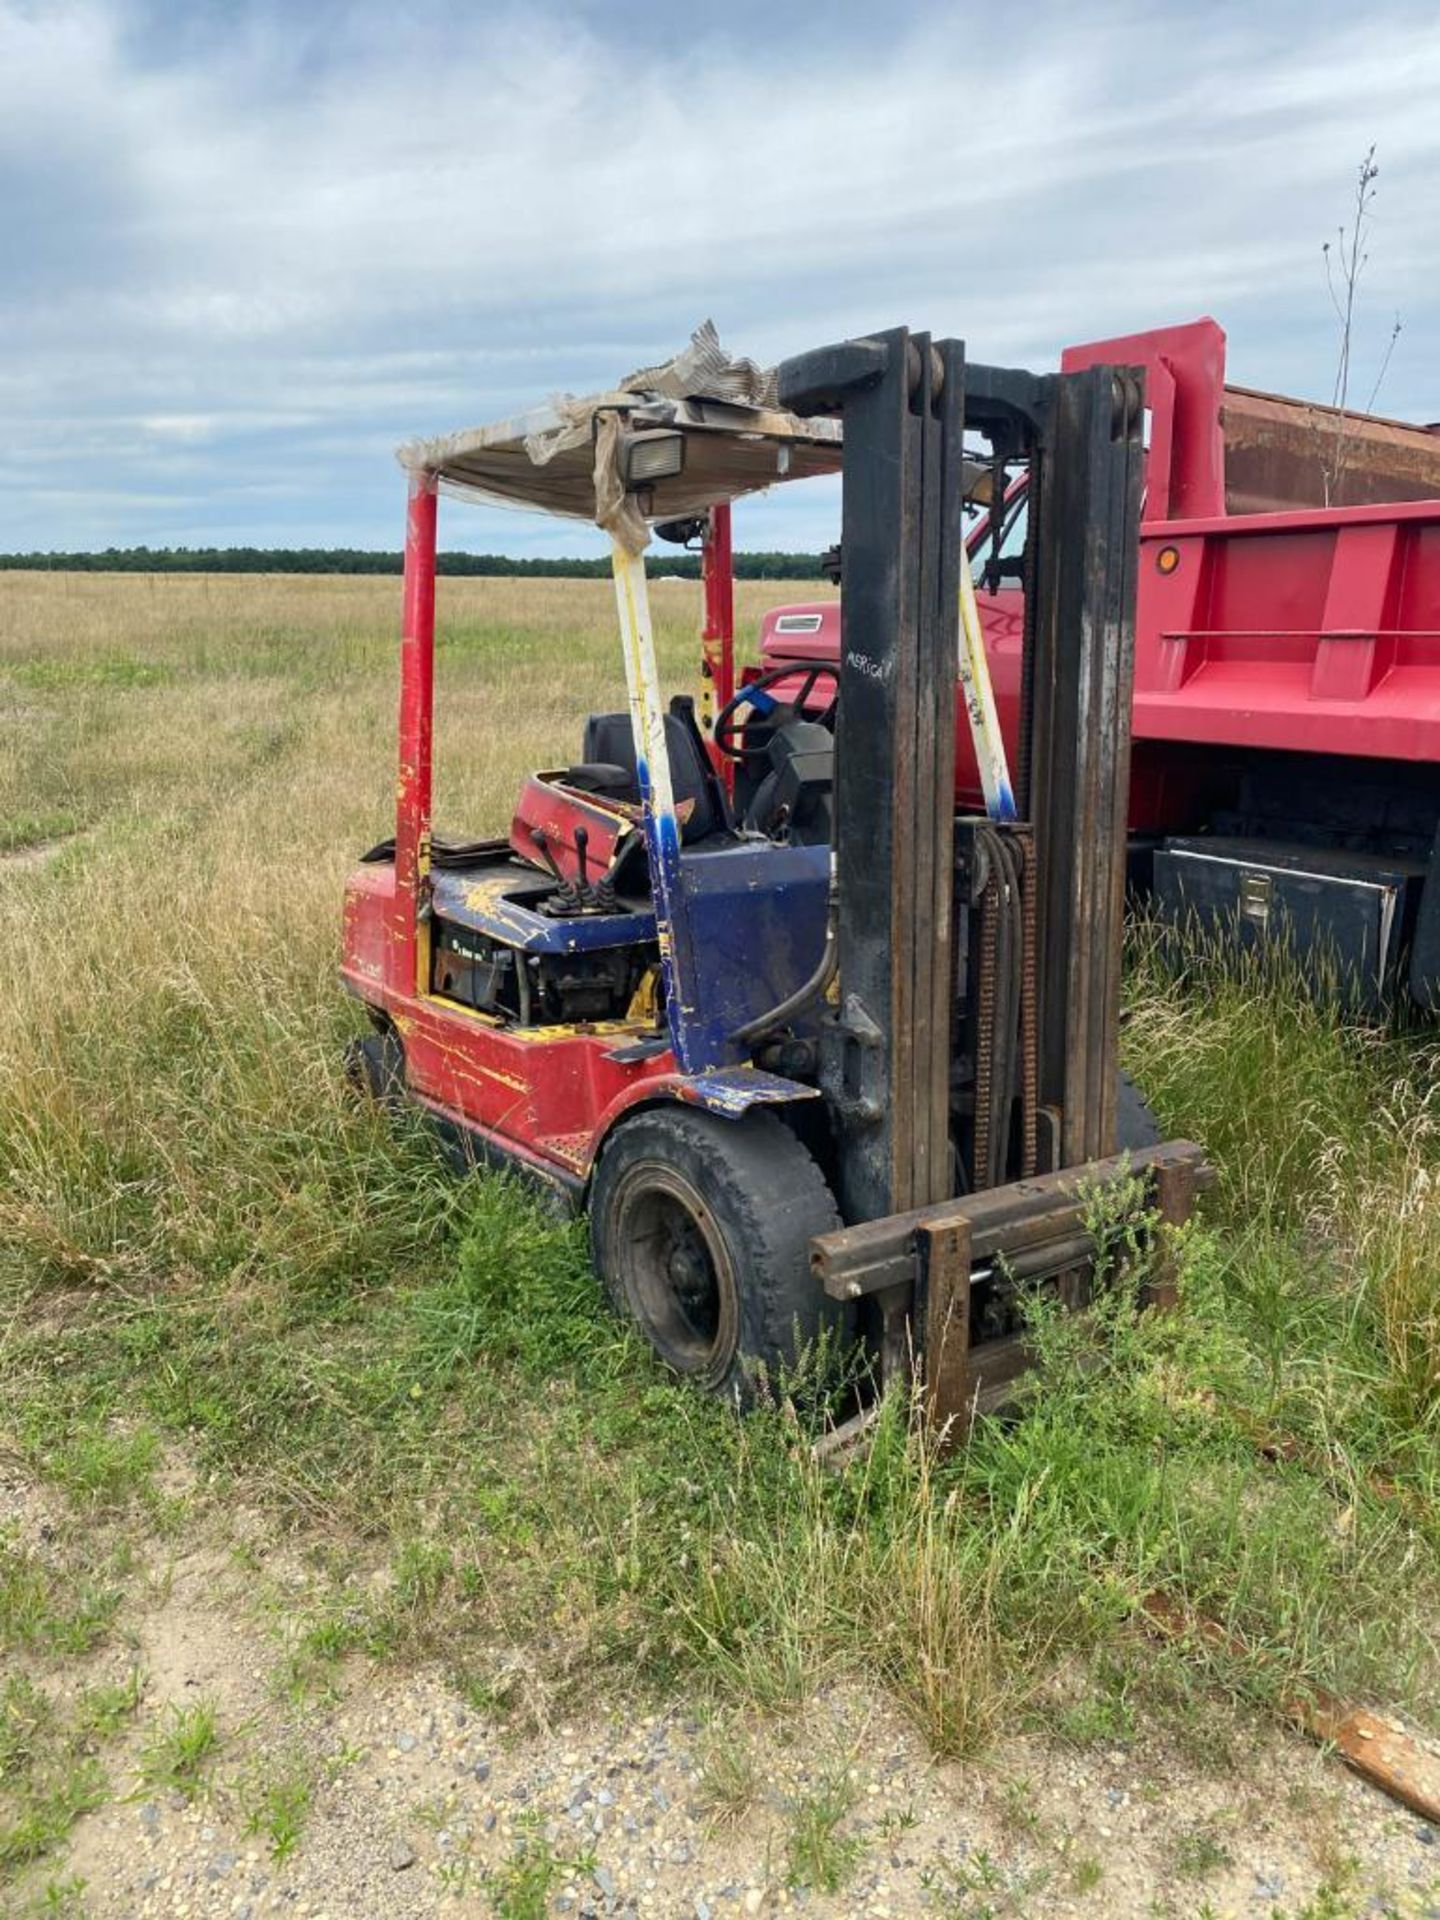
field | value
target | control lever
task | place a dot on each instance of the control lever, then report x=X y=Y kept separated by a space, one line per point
x=538 y=835
x=567 y=899
x=572 y=896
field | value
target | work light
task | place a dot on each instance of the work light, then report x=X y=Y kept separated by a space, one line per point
x=653 y=456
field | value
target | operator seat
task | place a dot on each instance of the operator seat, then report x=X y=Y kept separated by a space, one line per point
x=610 y=743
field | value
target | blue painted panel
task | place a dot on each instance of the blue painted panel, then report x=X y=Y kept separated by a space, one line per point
x=756 y=919
x=734 y=1090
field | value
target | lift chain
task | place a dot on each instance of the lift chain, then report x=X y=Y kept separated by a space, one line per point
x=1029 y=1033
x=985 y=1026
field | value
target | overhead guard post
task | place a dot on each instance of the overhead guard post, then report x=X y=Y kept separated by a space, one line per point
x=413 y=792
x=694 y=1047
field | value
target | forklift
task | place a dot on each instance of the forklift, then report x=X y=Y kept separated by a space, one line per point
x=817 y=1056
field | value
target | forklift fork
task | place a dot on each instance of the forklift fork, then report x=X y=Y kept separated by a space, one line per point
x=934 y=1273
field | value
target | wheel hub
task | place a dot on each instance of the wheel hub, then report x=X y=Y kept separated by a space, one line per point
x=677 y=1290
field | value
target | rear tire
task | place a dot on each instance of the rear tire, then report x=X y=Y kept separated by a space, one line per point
x=375 y=1065
x=700 y=1230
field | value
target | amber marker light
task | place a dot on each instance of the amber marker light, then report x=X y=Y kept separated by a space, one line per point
x=1168 y=559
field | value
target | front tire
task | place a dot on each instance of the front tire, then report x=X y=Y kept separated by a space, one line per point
x=700 y=1229
x=1136 y=1128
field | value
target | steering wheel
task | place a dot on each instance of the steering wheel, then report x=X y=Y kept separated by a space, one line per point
x=756 y=694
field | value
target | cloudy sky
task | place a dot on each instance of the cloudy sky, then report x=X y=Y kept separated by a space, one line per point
x=246 y=246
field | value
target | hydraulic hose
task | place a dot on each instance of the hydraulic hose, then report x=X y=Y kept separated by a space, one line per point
x=812 y=988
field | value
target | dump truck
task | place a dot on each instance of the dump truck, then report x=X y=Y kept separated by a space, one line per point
x=1285 y=758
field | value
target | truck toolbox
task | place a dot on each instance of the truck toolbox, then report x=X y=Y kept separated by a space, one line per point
x=1346 y=917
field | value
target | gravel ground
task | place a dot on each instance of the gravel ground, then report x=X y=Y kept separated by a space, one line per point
x=434 y=1802
x=424 y=1801
x=419 y=1805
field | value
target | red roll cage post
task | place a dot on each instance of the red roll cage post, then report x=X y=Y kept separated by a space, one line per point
x=407 y=966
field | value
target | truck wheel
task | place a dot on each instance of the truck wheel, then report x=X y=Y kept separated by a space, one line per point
x=1136 y=1128
x=375 y=1065
x=700 y=1229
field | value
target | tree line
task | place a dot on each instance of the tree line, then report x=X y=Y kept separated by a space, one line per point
x=662 y=562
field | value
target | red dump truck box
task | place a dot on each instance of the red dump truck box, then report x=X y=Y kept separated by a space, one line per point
x=1267 y=618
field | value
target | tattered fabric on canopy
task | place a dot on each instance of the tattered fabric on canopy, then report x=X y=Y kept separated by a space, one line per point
x=565 y=457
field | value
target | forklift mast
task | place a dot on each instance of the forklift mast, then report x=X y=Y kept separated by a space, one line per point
x=978 y=960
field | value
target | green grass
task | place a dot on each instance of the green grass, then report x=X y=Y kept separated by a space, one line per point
x=102 y=1710
x=209 y=1250
x=59 y=1899
x=978 y=1887
x=1328 y=1143
x=729 y=1776
x=61 y=676
x=50 y=1605
x=182 y=1750
x=521 y=1889
x=101 y=1467
x=20 y=831
x=1087 y=1874
x=275 y=1803
x=818 y=1855
x=50 y=1768
x=1199 y=1853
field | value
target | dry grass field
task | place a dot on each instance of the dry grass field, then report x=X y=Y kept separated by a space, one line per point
x=260 y=1351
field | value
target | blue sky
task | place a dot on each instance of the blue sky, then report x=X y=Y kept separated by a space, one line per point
x=247 y=248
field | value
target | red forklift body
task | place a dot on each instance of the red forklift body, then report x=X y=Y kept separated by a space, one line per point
x=538 y=987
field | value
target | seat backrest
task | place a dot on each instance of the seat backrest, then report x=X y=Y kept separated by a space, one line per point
x=608 y=738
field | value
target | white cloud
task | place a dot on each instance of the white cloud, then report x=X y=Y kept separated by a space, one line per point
x=195 y=427
x=288 y=241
